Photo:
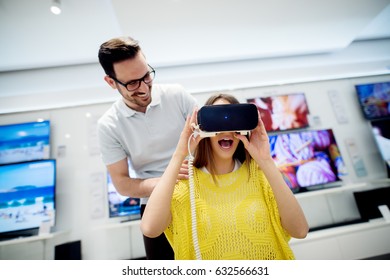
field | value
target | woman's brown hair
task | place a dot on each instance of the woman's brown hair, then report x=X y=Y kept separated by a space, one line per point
x=203 y=153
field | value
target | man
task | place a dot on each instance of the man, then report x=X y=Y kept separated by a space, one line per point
x=141 y=128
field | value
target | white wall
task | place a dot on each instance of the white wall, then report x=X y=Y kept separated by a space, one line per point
x=81 y=183
x=48 y=88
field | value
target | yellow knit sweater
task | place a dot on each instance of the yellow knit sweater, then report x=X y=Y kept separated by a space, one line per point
x=238 y=219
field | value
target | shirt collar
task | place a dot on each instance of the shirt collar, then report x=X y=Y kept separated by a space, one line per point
x=237 y=165
x=128 y=112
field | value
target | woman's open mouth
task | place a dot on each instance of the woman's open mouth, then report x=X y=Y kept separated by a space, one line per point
x=225 y=143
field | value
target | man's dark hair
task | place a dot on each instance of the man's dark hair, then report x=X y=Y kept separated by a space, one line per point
x=117 y=50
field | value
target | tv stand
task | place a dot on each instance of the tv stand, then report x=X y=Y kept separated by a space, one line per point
x=335 y=225
x=35 y=247
x=18 y=234
x=132 y=218
x=7 y=237
x=349 y=242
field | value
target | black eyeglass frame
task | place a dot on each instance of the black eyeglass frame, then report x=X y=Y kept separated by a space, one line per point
x=152 y=71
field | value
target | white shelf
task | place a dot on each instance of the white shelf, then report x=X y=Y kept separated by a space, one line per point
x=332 y=190
x=380 y=182
x=131 y=247
x=350 y=242
x=375 y=183
x=34 y=238
x=119 y=225
x=340 y=230
x=37 y=247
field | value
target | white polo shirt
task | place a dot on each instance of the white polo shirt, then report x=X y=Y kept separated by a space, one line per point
x=147 y=139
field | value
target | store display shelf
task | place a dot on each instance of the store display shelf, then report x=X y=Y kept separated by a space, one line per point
x=33 y=238
x=329 y=190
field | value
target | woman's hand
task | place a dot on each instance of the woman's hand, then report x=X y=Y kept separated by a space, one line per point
x=187 y=132
x=258 y=144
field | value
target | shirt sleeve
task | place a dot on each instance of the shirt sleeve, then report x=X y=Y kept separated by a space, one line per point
x=189 y=101
x=110 y=147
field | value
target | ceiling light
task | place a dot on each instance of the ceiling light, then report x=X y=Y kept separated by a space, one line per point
x=55 y=7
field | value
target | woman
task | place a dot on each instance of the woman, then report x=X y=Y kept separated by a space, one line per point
x=244 y=209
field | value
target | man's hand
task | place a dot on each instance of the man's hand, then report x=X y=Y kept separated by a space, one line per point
x=183 y=173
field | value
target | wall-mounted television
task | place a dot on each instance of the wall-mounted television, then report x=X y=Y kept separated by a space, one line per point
x=374 y=100
x=27 y=197
x=308 y=160
x=24 y=142
x=122 y=206
x=381 y=131
x=283 y=112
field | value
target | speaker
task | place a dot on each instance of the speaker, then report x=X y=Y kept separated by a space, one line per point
x=68 y=251
x=228 y=118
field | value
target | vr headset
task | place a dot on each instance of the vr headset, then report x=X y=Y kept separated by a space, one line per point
x=214 y=119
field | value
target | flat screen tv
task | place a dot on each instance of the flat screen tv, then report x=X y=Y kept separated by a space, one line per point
x=24 y=142
x=374 y=100
x=308 y=160
x=27 y=197
x=381 y=132
x=122 y=206
x=283 y=112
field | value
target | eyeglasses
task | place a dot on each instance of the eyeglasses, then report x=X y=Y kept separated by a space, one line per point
x=135 y=84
